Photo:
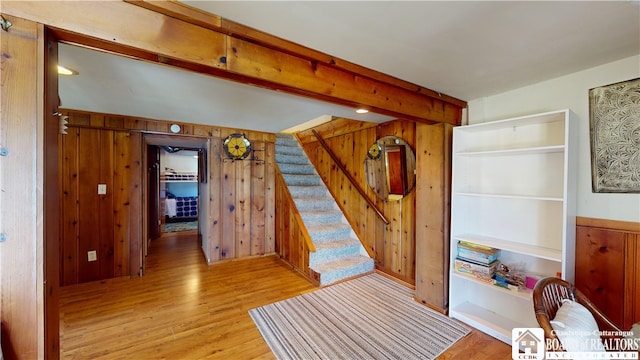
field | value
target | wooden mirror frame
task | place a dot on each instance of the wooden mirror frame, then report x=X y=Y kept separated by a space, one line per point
x=391 y=173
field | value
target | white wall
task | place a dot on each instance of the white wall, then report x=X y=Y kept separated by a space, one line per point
x=572 y=92
x=182 y=161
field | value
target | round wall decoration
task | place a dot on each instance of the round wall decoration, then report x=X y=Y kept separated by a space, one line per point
x=236 y=146
x=374 y=151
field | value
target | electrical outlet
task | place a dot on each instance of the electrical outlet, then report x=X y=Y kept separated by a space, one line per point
x=92 y=255
x=102 y=189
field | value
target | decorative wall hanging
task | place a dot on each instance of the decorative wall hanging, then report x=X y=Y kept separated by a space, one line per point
x=615 y=137
x=374 y=151
x=236 y=146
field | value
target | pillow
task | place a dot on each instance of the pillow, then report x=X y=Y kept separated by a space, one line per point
x=634 y=333
x=576 y=328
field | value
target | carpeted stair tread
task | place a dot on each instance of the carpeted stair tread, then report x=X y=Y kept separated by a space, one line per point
x=290 y=150
x=300 y=169
x=315 y=191
x=298 y=180
x=339 y=254
x=314 y=204
x=312 y=218
x=334 y=250
x=343 y=262
x=286 y=140
x=343 y=268
x=291 y=159
x=326 y=233
x=337 y=244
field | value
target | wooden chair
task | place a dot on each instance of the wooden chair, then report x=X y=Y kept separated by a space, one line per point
x=547 y=298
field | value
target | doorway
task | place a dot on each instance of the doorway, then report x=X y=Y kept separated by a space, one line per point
x=178 y=193
x=176 y=182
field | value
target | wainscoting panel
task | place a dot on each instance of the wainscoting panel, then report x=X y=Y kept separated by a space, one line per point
x=608 y=267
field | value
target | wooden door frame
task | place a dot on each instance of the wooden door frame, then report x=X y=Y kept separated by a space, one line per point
x=194 y=142
x=153 y=187
x=51 y=194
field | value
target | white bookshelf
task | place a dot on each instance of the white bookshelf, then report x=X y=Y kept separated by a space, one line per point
x=513 y=188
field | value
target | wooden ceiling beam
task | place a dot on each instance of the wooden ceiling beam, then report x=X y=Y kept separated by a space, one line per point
x=173 y=33
x=237 y=30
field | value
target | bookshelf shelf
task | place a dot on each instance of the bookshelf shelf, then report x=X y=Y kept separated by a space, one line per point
x=491 y=322
x=512 y=246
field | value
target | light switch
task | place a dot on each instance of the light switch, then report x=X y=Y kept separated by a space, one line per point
x=102 y=189
x=92 y=255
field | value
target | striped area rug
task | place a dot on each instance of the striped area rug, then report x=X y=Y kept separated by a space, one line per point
x=370 y=317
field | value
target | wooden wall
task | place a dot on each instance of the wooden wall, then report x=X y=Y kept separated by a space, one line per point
x=608 y=267
x=21 y=185
x=92 y=222
x=242 y=199
x=291 y=244
x=392 y=246
x=108 y=149
x=433 y=212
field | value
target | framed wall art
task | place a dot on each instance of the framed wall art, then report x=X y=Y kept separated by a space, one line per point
x=614 y=122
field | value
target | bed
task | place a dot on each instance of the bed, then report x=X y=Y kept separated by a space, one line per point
x=181 y=208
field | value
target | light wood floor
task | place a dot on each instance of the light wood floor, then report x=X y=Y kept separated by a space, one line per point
x=183 y=309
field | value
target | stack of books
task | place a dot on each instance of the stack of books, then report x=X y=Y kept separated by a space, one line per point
x=476 y=260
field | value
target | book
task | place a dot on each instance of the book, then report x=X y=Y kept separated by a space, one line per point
x=477 y=253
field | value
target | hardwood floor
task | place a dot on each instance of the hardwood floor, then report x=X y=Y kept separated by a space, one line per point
x=184 y=309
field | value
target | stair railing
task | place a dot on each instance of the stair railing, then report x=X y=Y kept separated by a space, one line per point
x=350 y=177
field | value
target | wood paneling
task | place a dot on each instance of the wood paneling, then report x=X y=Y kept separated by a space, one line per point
x=291 y=244
x=270 y=200
x=607 y=267
x=215 y=210
x=632 y=280
x=21 y=183
x=93 y=222
x=28 y=196
x=392 y=246
x=133 y=200
x=228 y=198
x=258 y=180
x=433 y=186
x=51 y=215
x=97 y=151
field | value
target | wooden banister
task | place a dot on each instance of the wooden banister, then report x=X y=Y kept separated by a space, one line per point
x=350 y=177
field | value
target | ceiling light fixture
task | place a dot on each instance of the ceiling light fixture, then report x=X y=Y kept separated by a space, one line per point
x=63 y=70
x=362 y=111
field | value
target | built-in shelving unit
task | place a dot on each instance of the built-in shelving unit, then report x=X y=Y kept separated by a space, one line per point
x=513 y=188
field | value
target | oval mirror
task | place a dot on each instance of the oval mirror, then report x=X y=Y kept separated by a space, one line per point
x=390 y=168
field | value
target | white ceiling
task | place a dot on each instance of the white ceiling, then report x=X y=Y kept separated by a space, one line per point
x=118 y=85
x=463 y=49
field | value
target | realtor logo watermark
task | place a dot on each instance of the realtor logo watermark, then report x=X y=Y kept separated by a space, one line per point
x=530 y=344
x=527 y=344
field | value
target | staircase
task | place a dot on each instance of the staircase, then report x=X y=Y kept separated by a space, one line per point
x=339 y=254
